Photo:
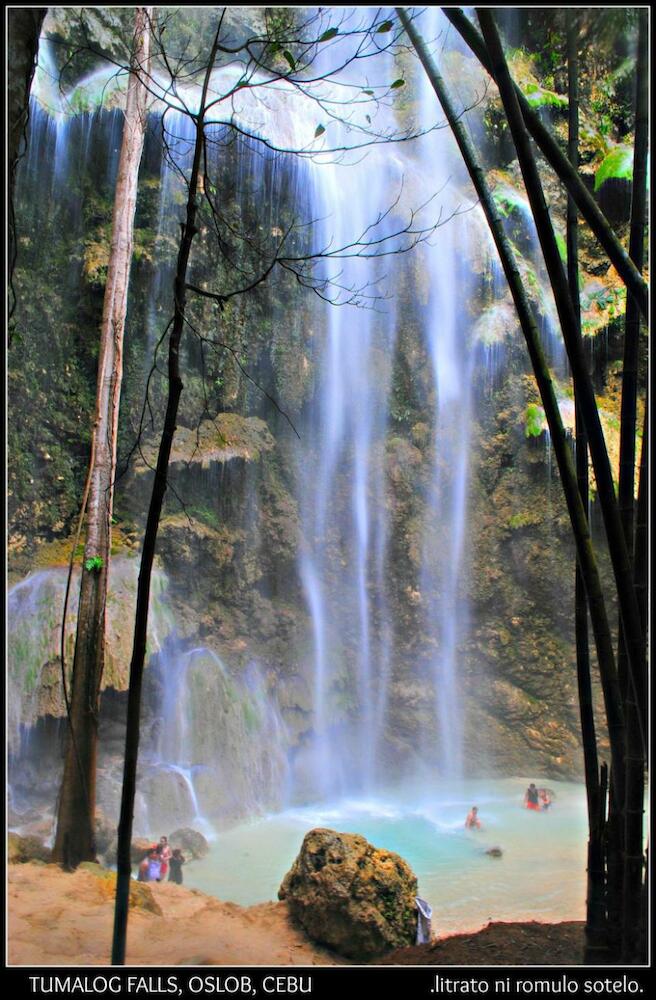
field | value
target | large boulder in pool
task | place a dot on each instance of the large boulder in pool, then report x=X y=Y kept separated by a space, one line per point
x=351 y=896
x=191 y=842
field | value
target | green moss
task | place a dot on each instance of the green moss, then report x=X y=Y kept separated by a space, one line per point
x=618 y=165
x=534 y=420
x=538 y=97
x=524 y=519
x=251 y=716
x=507 y=201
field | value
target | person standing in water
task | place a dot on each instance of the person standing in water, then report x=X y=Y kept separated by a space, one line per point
x=164 y=851
x=531 y=798
x=473 y=822
x=176 y=862
x=154 y=866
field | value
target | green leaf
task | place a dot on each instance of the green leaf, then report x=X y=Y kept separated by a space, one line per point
x=369 y=93
x=94 y=564
x=327 y=35
x=290 y=59
x=385 y=26
x=618 y=165
x=397 y=83
x=562 y=247
x=319 y=131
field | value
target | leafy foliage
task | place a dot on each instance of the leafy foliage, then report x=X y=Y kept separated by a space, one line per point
x=538 y=97
x=94 y=564
x=534 y=420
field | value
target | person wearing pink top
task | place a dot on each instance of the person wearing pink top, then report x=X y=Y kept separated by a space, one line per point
x=165 y=852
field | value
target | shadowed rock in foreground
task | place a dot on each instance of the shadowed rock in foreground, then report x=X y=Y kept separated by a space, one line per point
x=351 y=896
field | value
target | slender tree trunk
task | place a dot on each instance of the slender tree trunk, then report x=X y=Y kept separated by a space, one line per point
x=636 y=715
x=75 y=838
x=641 y=540
x=137 y=663
x=595 y=910
x=577 y=513
x=549 y=147
x=637 y=914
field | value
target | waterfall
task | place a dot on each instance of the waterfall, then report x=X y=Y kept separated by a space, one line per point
x=369 y=654
x=345 y=559
x=219 y=747
x=445 y=328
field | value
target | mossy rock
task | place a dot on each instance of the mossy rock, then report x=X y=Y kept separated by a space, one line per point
x=141 y=894
x=351 y=896
x=227 y=436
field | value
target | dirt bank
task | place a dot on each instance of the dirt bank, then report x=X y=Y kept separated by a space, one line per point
x=56 y=918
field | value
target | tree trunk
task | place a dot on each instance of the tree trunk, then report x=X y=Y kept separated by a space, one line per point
x=137 y=662
x=595 y=909
x=578 y=518
x=75 y=838
x=636 y=715
x=585 y=202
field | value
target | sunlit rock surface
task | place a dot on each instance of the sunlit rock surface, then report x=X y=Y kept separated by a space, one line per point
x=353 y=897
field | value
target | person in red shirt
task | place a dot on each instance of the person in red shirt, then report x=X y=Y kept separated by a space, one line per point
x=531 y=799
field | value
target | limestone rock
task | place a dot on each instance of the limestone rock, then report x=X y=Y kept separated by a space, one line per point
x=23 y=849
x=139 y=848
x=141 y=893
x=190 y=842
x=351 y=896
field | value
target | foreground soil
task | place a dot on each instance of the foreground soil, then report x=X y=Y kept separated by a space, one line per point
x=56 y=918
x=501 y=944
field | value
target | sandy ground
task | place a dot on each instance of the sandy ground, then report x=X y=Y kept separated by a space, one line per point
x=57 y=918
x=62 y=919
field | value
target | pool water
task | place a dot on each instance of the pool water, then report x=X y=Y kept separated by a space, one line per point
x=540 y=876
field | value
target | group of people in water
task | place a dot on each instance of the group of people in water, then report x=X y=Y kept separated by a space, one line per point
x=538 y=799
x=159 y=861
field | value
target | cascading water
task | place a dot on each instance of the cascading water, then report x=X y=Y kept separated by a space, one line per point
x=219 y=746
x=342 y=462
x=343 y=562
x=451 y=354
x=35 y=608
